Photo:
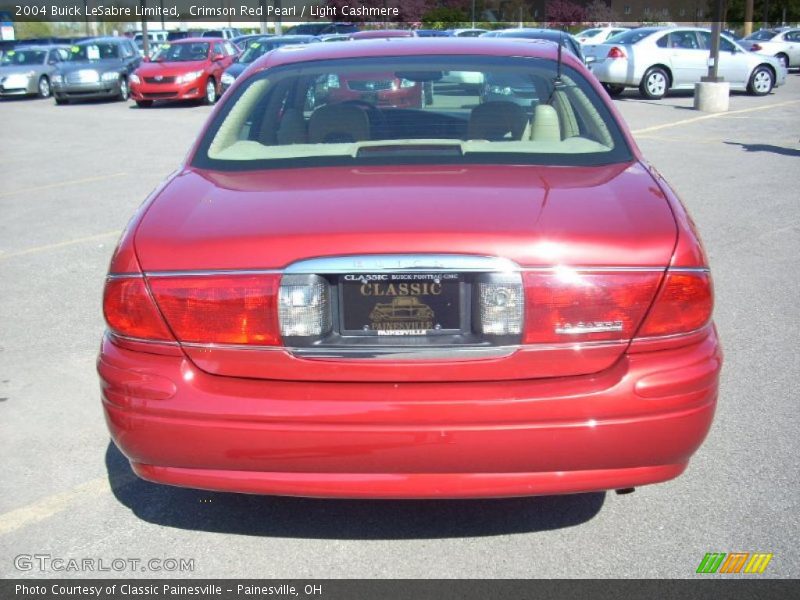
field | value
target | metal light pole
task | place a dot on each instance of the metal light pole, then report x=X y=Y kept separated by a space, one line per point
x=748 y=17
x=145 y=37
x=473 y=14
x=712 y=93
x=716 y=29
x=263 y=16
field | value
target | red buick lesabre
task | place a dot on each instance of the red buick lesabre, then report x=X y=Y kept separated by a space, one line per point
x=189 y=69
x=461 y=300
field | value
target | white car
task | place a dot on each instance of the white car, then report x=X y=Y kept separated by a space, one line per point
x=783 y=44
x=598 y=35
x=659 y=59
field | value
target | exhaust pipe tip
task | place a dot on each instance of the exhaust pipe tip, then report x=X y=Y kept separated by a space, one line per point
x=623 y=491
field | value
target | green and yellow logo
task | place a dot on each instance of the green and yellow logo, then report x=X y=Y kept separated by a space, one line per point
x=735 y=562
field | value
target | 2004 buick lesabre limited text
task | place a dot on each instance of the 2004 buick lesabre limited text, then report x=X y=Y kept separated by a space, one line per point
x=347 y=295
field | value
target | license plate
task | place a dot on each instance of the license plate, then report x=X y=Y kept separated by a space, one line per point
x=400 y=303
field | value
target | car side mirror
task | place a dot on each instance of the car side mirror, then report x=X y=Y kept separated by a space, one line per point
x=145 y=59
x=217 y=57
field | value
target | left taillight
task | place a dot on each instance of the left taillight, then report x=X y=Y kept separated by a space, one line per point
x=130 y=311
x=224 y=309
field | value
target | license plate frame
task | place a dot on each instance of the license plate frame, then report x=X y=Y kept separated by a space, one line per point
x=417 y=305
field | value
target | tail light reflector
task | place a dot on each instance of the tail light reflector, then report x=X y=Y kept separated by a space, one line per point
x=616 y=52
x=304 y=307
x=685 y=303
x=130 y=311
x=566 y=305
x=500 y=304
x=228 y=309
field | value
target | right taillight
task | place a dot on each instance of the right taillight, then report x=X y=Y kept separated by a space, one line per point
x=616 y=52
x=568 y=305
x=684 y=303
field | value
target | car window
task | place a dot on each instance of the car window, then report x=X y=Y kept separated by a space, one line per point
x=399 y=109
x=762 y=36
x=229 y=48
x=23 y=57
x=792 y=36
x=663 y=41
x=588 y=33
x=685 y=40
x=632 y=36
x=94 y=51
x=181 y=52
x=212 y=33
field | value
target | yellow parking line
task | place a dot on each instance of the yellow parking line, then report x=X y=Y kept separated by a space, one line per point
x=712 y=116
x=62 y=184
x=88 y=238
x=52 y=505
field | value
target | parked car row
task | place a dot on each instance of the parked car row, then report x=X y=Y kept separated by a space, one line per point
x=652 y=59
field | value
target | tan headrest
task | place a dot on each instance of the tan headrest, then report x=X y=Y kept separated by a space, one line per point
x=546 y=127
x=334 y=123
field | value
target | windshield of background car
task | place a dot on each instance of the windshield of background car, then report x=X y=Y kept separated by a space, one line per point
x=181 y=52
x=762 y=36
x=588 y=33
x=631 y=37
x=259 y=48
x=22 y=57
x=391 y=110
x=91 y=52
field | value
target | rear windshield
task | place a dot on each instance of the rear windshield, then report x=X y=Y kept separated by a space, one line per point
x=631 y=37
x=412 y=110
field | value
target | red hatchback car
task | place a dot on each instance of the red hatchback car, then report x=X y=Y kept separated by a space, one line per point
x=189 y=69
x=462 y=300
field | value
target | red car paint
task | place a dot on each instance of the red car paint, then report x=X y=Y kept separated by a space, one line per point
x=545 y=419
x=157 y=80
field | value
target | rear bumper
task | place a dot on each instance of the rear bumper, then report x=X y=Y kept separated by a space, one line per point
x=616 y=71
x=636 y=423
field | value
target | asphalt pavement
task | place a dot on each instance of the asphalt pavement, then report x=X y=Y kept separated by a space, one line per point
x=71 y=176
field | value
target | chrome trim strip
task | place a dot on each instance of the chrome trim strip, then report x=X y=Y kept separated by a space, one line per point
x=126 y=338
x=411 y=353
x=212 y=273
x=202 y=346
x=462 y=263
x=417 y=351
x=484 y=264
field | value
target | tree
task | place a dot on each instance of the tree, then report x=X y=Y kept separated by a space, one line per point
x=599 y=11
x=564 y=12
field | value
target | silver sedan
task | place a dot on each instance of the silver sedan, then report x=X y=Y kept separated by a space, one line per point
x=28 y=70
x=657 y=60
x=783 y=44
